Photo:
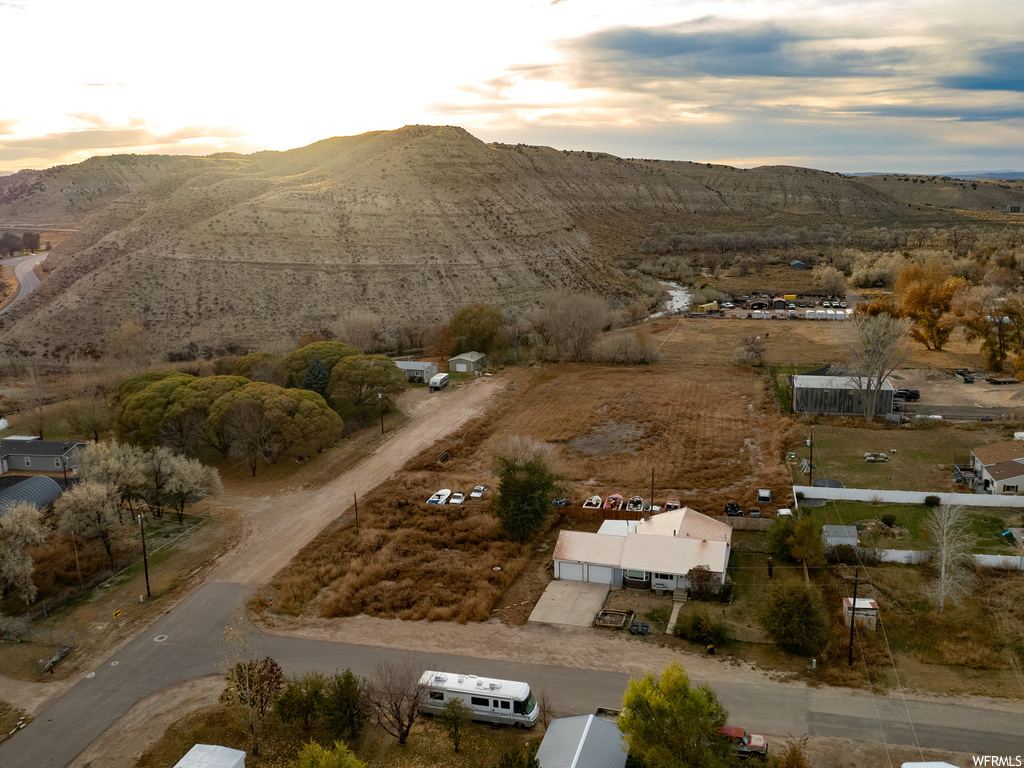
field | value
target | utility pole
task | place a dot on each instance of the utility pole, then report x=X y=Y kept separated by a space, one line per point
x=380 y=397
x=652 y=489
x=355 y=503
x=853 y=616
x=810 y=474
x=145 y=560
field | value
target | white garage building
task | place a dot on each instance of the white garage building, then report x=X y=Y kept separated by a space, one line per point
x=655 y=553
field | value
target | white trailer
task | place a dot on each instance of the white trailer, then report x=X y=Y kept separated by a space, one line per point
x=811 y=314
x=757 y=314
x=505 y=702
x=438 y=382
x=821 y=314
x=830 y=314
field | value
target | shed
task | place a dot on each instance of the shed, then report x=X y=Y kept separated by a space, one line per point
x=415 y=370
x=839 y=535
x=467 y=362
x=212 y=756
x=836 y=395
x=867 y=612
x=585 y=741
x=797 y=264
x=39 y=491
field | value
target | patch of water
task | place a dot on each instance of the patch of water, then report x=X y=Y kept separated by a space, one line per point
x=679 y=299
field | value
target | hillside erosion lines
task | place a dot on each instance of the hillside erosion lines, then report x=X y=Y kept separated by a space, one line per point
x=277 y=527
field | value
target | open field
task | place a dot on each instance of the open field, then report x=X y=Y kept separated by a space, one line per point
x=708 y=436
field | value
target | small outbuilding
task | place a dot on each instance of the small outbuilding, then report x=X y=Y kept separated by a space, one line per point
x=467 y=362
x=797 y=264
x=839 y=535
x=416 y=370
x=867 y=612
x=39 y=491
x=586 y=741
x=212 y=756
x=837 y=395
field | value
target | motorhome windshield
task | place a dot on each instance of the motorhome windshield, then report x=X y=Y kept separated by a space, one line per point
x=525 y=707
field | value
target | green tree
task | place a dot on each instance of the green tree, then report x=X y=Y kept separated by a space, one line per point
x=142 y=405
x=10 y=244
x=313 y=755
x=793 y=615
x=519 y=757
x=193 y=403
x=317 y=377
x=359 y=379
x=344 y=705
x=780 y=536
x=671 y=724
x=31 y=241
x=293 y=365
x=526 y=487
x=246 y=364
x=302 y=699
x=806 y=544
x=475 y=328
x=454 y=718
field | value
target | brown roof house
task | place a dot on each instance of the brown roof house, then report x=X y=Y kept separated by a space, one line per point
x=999 y=468
x=654 y=553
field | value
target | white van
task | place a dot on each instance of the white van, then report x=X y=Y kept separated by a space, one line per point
x=505 y=702
x=764 y=496
x=784 y=513
x=438 y=382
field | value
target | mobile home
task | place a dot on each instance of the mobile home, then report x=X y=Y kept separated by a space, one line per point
x=504 y=702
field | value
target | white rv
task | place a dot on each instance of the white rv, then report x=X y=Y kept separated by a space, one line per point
x=440 y=381
x=504 y=702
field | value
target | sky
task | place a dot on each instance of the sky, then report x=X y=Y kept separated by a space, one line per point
x=841 y=85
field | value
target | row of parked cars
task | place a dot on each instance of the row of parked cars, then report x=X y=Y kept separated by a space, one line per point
x=445 y=495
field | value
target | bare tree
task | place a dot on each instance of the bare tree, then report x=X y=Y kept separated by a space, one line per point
x=948 y=529
x=831 y=280
x=253 y=685
x=574 y=321
x=21 y=527
x=190 y=480
x=250 y=433
x=751 y=351
x=119 y=464
x=361 y=329
x=131 y=348
x=395 y=695
x=878 y=345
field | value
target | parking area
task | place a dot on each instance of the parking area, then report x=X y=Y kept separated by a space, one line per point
x=569 y=602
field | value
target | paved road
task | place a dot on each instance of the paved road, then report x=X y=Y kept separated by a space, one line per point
x=23 y=271
x=185 y=645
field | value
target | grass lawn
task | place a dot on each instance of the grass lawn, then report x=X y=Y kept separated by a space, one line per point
x=987 y=525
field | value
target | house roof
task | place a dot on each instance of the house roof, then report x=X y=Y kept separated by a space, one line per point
x=997 y=453
x=472 y=357
x=839 y=534
x=685 y=523
x=37 y=447
x=414 y=365
x=37 y=491
x=1004 y=470
x=832 y=382
x=664 y=554
x=212 y=756
x=586 y=741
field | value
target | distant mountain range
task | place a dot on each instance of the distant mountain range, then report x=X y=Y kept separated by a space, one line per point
x=965 y=175
x=246 y=252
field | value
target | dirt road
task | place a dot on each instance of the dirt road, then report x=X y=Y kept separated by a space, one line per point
x=278 y=526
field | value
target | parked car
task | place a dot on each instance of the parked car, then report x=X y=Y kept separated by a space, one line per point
x=907 y=394
x=478 y=491
x=754 y=512
x=732 y=509
x=745 y=744
x=842 y=304
x=728 y=305
x=457 y=498
x=826 y=304
x=559 y=502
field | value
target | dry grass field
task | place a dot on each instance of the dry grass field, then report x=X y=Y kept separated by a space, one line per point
x=709 y=435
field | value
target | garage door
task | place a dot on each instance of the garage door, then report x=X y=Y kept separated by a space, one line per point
x=571 y=571
x=599 y=574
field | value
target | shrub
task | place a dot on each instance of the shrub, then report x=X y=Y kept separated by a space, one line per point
x=780 y=537
x=794 y=616
x=932 y=501
x=696 y=625
x=889 y=519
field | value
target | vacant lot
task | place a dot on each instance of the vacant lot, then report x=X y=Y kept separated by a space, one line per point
x=709 y=436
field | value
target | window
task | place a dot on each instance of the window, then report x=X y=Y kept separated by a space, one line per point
x=505 y=705
x=641 y=575
x=1009 y=489
x=479 y=701
x=28 y=461
x=664 y=577
x=525 y=707
x=56 y=463
x=436 y=696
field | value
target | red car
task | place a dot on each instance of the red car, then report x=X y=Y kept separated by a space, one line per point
x=745 y=744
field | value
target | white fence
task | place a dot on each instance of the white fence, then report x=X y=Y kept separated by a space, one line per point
x=916 y=557
x=906 y=497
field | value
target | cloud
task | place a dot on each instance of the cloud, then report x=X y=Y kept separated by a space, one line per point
x=997 y=69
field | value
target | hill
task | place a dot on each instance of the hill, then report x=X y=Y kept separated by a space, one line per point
x=249 y=251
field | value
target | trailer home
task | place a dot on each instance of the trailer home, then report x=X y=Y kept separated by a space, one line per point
x=504 y=702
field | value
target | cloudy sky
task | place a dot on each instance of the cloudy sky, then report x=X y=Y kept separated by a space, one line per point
x=845 y=85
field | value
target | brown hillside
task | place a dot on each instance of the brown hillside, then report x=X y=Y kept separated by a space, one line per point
x=949 y=193
x=253 y=250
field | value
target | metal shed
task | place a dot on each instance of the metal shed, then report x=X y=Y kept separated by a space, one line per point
x=467 y=362
x=586 y=741
x=836 y=395
x=39 y=491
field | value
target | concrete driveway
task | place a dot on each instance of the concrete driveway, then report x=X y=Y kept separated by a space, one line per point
x=570 y=602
